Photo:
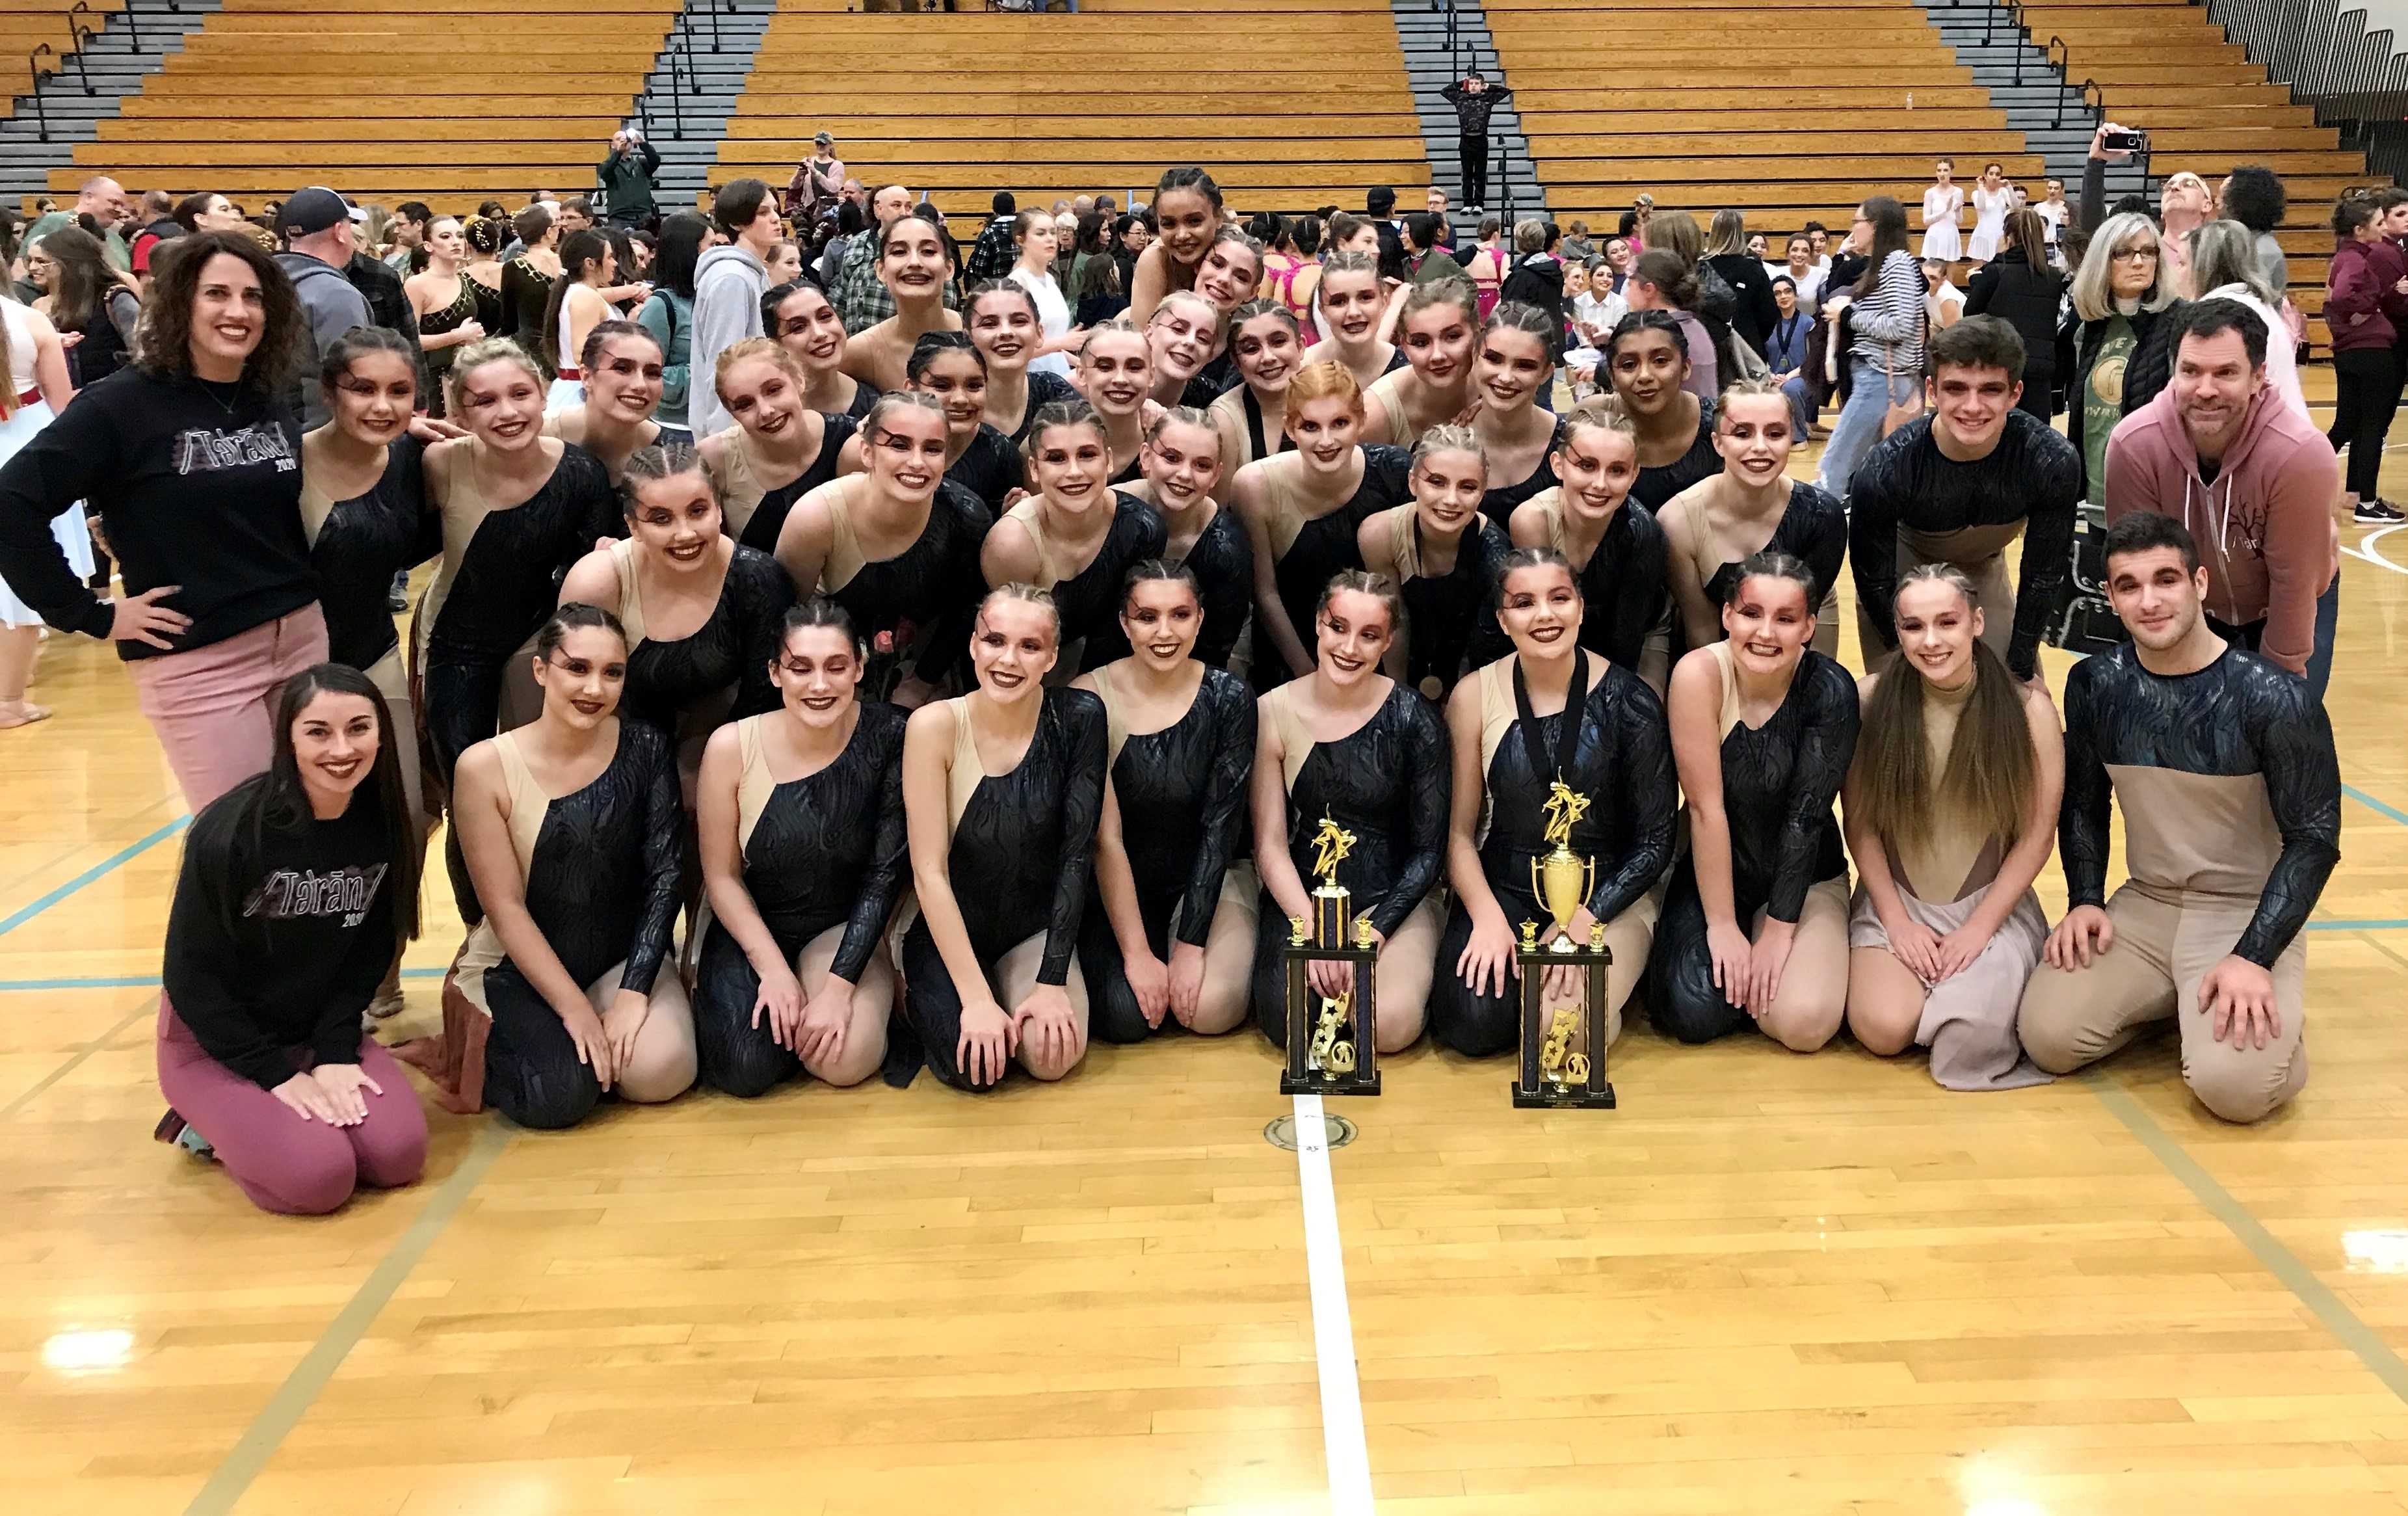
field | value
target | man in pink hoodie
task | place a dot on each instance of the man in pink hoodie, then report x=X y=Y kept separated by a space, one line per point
x=2219 y=451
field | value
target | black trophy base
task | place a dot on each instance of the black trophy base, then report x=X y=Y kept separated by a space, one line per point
x=1356 y=1083
x=1564 y=1097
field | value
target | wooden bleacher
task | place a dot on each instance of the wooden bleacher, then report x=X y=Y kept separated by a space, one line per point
x=447 y=101
x=26 y=24
x=1792 y=111
x=1289 y=106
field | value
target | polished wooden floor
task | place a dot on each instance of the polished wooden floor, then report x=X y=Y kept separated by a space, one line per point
x=1767 y=1283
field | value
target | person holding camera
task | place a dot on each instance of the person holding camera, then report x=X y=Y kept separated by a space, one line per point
x=625 y=179
x=817 y=186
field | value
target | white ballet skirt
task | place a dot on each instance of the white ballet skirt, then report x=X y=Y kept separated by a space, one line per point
x=1940 y=208
x=73 y=537
x=1989 y=223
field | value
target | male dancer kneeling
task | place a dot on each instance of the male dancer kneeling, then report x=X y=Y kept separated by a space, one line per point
x=2231 y=800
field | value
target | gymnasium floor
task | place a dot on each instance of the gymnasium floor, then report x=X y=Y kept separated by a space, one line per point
x=1766 y=1283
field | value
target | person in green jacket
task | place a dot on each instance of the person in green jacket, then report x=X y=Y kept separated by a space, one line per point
x=625 y=177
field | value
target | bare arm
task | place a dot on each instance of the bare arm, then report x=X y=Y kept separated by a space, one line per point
x=1376 y=542
x=1699 y=623
x=1008 y=556
x=717 y=818
x=1271 y=860
x=1697 y=757
x=593 y=581
x=483 y=817
x=1463 y=868
x=1148 y=283
x=803 y=540
x=928 y=760
x=1271 y=612
x=50 y=374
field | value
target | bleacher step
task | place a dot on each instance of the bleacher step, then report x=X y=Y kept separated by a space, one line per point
x=1430 y=66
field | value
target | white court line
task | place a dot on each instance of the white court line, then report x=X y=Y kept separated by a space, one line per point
x=1333 y=1326
x=2366 y=551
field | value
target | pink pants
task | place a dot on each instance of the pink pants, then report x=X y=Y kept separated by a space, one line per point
x=214 y=707
x=285 y=1164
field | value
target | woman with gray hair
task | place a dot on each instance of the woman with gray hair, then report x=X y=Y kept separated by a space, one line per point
x=2115 y=348
x=2223 y=267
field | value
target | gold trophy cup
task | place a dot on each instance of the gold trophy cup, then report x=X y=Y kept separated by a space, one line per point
x=1329 y=1046
x=1332 y=903
x=1563 y=879
x=1554 y=1073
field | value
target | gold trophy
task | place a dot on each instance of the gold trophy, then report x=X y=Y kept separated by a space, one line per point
x=1563 y=879
x=1329 y=1048
x=1331 y=902
x=1555 y=1075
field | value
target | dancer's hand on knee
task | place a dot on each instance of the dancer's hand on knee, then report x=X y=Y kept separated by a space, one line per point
x=1186 y=981
x=2085 y=931
x=2238 y=996
x=306 y=1098
x=1733 y=957
x=1488 y=958
x=622 y=1022
x=342 y=1083
x=1148 y=979
x=592 y=1042
x=1047 y=1023
x=1916 y=946
x=1957 y=951
x=988 y=1037
x=822 y=1022
x=1765 y=964
x=781 y=999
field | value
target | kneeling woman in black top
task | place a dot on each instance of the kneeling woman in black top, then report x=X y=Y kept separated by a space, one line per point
x=570 y=828
x=1002 y=787
x=1444 y=556
x=298 y=887
x=1756 y=926
x=1349 y=743
x=1180 y=741
x=803 y=854
x=1553 y=710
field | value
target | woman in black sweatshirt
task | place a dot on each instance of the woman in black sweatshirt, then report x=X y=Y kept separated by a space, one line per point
x=193 y=459
x=2020 y=287
x=299 y=887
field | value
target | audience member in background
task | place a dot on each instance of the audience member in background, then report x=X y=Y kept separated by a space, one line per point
x=1942 y=204
x=1805 y=275
x=1538 y=275
x=383 y=287
x=576 y=214
x=2020 y=287
x=2053 y=212
x=993 y=254
x=1484 y=262
x=1884 y=356
x=1784 y=354
x=2263 y=517
x=103 y=201
x=668 y=315
x=2112 y=355
x=1660 y=281
x=2365 y=311
x=1036 y=241
x=860 y=298
x=817 y=186
x=411 y=220
x=318 y=244
x=1576 y=241
x=1428 y=261
x=527 y=277
x=38 y=389
x=1992 y=199
x=83 y=297
x=1755 y=311
x=1291 y=270
x=1474 y=101
x=2224 y=264
x=159 y=224
x=1942 y=302
x=2254 y=196
x=728 y=283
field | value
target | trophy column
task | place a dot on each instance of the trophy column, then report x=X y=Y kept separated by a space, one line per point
x=1552 y=1075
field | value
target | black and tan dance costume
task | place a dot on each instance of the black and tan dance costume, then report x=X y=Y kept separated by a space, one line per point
x=356 y=547
x=1450 y=618
x=753 y=513
x=1628 y=610
x=1656 y=487
x=1088 y=600
x=688 y=685
x=1307 y=550
x=826 y=850
x=1619 y=756
x=919 y=604
x=1222 y=560
x=1022 y=857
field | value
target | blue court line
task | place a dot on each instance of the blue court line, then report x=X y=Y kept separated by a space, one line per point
x=2373 y=804
x=106 y=865
x=151 y=981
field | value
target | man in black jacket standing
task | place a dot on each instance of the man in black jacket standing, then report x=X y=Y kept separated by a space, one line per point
x=1473 y=100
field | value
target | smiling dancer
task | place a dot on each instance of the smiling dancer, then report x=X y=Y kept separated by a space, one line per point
x=1957 y=774
x=1349 y=302
x=803 y=857
x=1186 y=218
x=1443 y=555
x=912 y=265
x=623 y=367
x=1171 y=938
x=1647 y=362
x=799 y=318
x=1613 y=542
x=1513 y=366
x=1075 y=537
x=1115 y=373
x=779 y=451
x=1554 y=711
x=1179 y=337
x=1348 y=743
x=1002 y=319
x=1751 y=506
x=1253 y=417
x=1438 y=332
x=1756 y=925
x=1002 y=788
x=1181 y=463
x=2224 y=767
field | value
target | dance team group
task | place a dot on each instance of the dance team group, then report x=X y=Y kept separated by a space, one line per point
x=966 y=713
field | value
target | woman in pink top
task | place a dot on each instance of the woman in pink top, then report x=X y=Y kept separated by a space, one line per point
x=1485 y=263
x=1291 y=265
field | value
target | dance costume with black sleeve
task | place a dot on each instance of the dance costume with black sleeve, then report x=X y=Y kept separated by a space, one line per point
x=463 y=309
x=1088 y=600
x=2231 y=801
x=754 y=514
x=1182 y=792
x=991 y=468
x=1222 y=560
x=356 y=547
x=1911 y=503
x=1498 y=503
x=1621 y=759
x=1779 y=783
x=1043 y=390
x=823 y=851
x=1307 y=550
x=599 y=866
x=1628 y=601
x=1814 y=529
x=1450 y=618
x=1388 y=782
x=499 y=580
x=1655 y=486
x=1240 y=410
x=684 y=685
x=921 y=601
x=1020 y=858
